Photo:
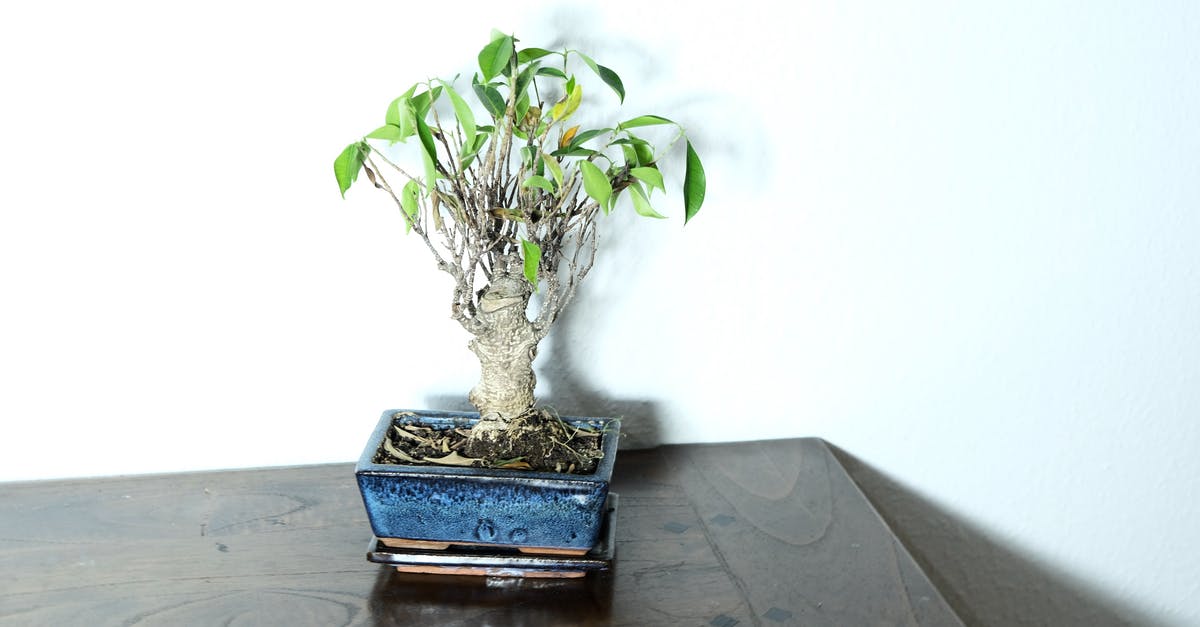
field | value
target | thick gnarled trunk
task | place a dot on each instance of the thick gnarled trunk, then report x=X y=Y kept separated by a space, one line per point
x=510 y=427
x=506 y=346
x=506 y=379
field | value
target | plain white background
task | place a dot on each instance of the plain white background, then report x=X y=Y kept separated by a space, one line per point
x=956 y=240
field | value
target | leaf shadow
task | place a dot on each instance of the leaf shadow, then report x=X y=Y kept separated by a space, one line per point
x=716 y=119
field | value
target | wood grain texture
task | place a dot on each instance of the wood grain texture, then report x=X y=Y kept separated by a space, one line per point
x=764 y=533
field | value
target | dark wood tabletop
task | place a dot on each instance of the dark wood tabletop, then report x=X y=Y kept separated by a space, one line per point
x=759 y=533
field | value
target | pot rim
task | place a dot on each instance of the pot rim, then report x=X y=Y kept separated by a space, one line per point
x=603 y=471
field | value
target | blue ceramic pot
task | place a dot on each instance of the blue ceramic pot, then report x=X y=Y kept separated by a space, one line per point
x=484 y=505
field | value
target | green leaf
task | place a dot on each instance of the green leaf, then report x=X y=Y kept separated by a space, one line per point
x=395 y=111
x=693 y=184
x=588 y=60
x=645 y=153
x=472 y=148
x=347 y=165
x=521 y=107
x=643 y=120
x=490 y=98
x=422 y=101
x=651 y=176
x=595 y=182
x=589 y=134
x=408 y=202
x=526 y=77
x=630 y=154
x=577 y=151
x=407 y=118
x=426 y=136
x=431 y=174
x=549 y=71
x=429 y=154
x=555 y=169
x=532 y=254
x=495 y=56
x=528 y=155
x=529 y=54
x=540 y=182
x=389 y=132
x=466 y=119
x=641 y=203
x=393 y=115
x=609 y=77
x=638 y=152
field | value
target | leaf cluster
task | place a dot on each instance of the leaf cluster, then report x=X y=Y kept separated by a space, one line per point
x=501 y=170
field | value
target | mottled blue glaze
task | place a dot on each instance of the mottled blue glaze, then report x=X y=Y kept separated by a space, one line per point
x=484 y=505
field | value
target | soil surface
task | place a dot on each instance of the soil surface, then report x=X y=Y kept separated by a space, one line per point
x=538 y=441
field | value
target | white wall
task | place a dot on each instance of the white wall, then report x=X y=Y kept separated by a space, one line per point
x=958 y=240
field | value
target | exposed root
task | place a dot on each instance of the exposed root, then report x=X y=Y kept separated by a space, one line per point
x=536 y=440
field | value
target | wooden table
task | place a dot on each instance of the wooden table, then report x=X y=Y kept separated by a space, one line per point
x=762 y=533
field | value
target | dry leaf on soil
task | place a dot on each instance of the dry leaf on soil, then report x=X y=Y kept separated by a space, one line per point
x=453 y=459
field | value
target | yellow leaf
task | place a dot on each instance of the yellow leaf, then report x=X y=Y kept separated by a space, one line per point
x=574 y=100
x=569 y=103
x=566 y=138
x=507 y=214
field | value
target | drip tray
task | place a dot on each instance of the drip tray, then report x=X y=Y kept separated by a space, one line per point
x=496 y=561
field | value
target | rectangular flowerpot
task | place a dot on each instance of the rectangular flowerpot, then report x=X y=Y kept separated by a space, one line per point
x=536 y=511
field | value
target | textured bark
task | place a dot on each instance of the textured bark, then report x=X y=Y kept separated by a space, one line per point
x=506 y=347
x=506 y=344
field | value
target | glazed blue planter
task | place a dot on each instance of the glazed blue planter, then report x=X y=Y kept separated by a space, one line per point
x=488 y=506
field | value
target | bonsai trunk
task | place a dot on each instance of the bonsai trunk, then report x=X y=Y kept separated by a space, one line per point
x=506 y=347
x=506 y=380
x=510 y=427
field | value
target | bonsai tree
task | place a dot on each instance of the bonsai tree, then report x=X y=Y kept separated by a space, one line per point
x=507 y=194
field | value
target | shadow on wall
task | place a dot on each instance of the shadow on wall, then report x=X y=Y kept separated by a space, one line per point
x=984 y=581
x=730 y=141
x=571 y=395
